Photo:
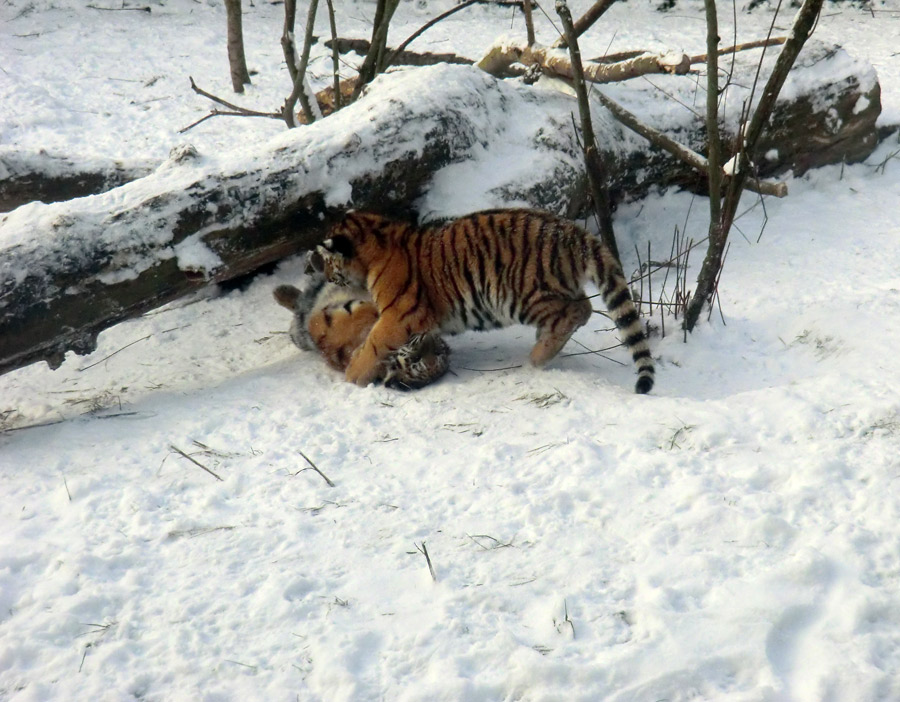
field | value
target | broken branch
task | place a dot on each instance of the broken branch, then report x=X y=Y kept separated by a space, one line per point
x=586 y=21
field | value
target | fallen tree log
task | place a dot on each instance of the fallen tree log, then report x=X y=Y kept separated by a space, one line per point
x=825 y=114
x=28 y=177
x=69 y=270
x=435 y=141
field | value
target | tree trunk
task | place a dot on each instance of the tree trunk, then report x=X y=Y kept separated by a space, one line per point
x=69 y=270
x=236 y=61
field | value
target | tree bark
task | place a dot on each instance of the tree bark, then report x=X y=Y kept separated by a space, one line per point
x=236 y=61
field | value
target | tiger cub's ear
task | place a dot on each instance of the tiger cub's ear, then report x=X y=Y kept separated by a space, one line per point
x=339 y=244
x=287 y=296
x=314 y=262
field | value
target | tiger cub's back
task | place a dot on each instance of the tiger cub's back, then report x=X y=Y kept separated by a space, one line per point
x=501 y=267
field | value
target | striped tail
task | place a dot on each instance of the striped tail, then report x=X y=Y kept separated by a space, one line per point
x=609 y=278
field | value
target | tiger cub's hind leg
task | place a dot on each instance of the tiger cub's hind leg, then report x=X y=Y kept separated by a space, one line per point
x=556 y=321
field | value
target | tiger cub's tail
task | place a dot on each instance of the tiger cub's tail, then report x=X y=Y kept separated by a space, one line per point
x=608 y=277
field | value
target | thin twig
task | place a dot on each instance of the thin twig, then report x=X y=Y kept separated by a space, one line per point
x=489 y=370
x=106 y=358
x=497 y=543
x=757 y=44
x=316 y=468
x=120 y=9
x=194 y=461
x=430 y=23
x=236 y=110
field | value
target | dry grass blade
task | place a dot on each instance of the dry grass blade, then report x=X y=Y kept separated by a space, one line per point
x=194 y=461
x=424 y=551
x=316 y=468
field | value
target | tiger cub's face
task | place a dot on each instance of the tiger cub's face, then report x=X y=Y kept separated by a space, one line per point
x=338 y=260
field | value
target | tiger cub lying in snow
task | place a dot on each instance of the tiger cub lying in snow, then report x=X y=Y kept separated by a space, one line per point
x=482 y=271
x=336 y=320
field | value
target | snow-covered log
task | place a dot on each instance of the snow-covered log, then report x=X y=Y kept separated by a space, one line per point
x=26 y=178
x=438 y=141
x=69 y=270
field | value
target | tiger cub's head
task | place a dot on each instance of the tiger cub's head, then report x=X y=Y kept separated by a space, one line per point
x=355 y=242
x=335 y=257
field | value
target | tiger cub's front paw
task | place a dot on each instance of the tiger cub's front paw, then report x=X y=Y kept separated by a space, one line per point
x=360 y=370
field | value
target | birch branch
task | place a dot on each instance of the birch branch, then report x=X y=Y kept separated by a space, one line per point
x=499 y=58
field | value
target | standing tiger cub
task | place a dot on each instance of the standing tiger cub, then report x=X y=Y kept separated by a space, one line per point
x=336 y=321
x=484 y=271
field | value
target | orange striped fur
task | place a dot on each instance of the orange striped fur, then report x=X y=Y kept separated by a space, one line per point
x=483 y=271
x=335 y=321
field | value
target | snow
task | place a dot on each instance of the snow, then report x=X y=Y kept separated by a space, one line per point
x=731 y=536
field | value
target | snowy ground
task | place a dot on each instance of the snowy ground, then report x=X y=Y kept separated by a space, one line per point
x=732 y=536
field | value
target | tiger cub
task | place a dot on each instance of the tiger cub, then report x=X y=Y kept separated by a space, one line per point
x=336 y=321
x=483 y=271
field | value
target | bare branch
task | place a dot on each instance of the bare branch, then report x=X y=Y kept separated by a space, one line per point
x=335 y=56
x=233 y=110
x=587 y=20
x=229 y=105
x=301 y=85
x=746 y=46
x=430 y=23
x=287 y=38
x=596 y=170
x=375 y=58
x=680 y=151
x=714 y=146
x=804 y=22
x=398 y=57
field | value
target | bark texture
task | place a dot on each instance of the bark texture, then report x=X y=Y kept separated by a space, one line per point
x=236 y=60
